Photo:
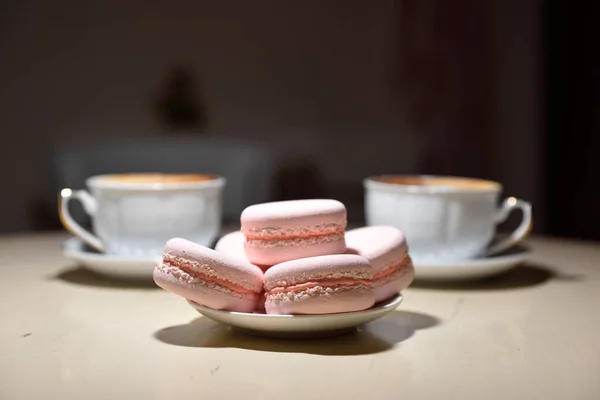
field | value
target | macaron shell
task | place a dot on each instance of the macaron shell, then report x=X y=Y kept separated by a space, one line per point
x=285 y=230
x=214 y=263
x=275 y=255
x=333 y=298
x=207 y=277
x=232 y=244
x=347 y=300
x=393 y=287
x=293 y=214
x=407 y=277
x=206 y=295
x=381 y=245
x=314 y=269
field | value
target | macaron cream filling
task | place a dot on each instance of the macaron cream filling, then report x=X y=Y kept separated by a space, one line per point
x=323 y=283
x=306 y=235
x=286 y=233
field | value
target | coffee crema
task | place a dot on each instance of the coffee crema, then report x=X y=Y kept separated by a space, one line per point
x=155 y=178
x=437 y=181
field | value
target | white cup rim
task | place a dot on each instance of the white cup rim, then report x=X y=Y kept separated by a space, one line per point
x=482 y=185
x=104 y=182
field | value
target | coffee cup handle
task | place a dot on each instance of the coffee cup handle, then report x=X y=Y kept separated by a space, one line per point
x=90 y=207
x=522 y=230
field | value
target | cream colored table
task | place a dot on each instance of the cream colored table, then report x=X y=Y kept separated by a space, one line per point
x=533 y=333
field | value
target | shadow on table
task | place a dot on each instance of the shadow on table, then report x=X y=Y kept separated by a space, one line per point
x=85 y=277
x=377 y=336
x=526 y=275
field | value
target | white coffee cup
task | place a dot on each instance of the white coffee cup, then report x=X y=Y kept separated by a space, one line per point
x=136 y=214
x=444 y=218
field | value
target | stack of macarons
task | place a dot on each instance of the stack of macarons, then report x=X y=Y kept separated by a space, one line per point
x=290 y=257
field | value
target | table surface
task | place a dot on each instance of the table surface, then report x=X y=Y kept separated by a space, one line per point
x=530 y=333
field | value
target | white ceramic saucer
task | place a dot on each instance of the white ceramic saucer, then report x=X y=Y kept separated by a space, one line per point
x=299 y=325
x=122 y=267
x=478 y=268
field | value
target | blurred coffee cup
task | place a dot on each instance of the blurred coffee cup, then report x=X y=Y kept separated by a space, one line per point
x=135 y=214
x=444 y=218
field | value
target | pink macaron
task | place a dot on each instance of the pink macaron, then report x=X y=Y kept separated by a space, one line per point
x=319 y=285
x=287 y=230
x=209 y=278
x=385 y=248
x=233 y=245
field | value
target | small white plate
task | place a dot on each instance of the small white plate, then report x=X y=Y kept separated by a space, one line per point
x=299 y=325
x=478 y=268
x=122 y=267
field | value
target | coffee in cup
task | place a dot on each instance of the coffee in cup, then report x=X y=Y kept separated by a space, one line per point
x=444 y=218
x=135 y=214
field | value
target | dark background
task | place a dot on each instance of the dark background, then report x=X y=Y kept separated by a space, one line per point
x=572 y=118
x=343 y=90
